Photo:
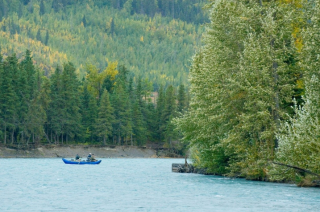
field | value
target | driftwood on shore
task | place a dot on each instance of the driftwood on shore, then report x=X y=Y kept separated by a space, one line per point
x=187 y=168
x=297 y=168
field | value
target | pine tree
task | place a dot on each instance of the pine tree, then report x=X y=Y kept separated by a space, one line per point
x=112 y=27
x=42 y=8
x=84 y=21
x=2 y=10
x=105 y=118
x=55 y=6
x=181 y=99
x=71 y=101
x=8 y=97
x=122 y=127
x=1 y=113
x=56 y=111
x=89 y=113
x=25 y=2
x=151 y=122
x=139 y=129
x=20 y=12
x=160 y=111
x=46 y=41
x=27 y=65
x=38 y=36
x=35 y=119
x=168 y=114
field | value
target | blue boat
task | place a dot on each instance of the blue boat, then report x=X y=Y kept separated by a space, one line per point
x=80 y=162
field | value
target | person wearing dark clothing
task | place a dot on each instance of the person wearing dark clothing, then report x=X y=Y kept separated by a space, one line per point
x=77 y=157
x=89 y=157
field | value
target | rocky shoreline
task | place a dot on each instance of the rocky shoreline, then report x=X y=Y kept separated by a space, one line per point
x=83 y=151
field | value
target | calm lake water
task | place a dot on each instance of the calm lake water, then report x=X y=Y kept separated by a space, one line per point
x=138 y=185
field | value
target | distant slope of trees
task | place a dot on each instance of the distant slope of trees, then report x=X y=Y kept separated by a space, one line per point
x=105 y=107
x=154 y=40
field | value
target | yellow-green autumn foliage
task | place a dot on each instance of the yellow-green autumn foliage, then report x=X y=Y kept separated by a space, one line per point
x=242 y=80
x=158 y=48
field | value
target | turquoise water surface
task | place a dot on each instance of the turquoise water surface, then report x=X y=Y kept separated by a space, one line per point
x=138 y=185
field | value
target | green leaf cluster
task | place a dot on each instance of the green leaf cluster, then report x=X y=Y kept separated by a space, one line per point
x=243 y=80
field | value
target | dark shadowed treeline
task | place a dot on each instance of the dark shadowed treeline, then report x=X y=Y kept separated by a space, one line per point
x=107 y=107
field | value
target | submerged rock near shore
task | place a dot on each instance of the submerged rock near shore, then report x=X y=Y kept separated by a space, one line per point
x=83 y=151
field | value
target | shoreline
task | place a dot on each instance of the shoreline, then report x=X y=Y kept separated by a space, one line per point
x=99 y=152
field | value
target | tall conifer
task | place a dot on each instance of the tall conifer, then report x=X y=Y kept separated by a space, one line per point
x=105 y=118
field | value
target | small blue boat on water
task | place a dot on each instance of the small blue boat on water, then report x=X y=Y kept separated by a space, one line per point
x=81 y=162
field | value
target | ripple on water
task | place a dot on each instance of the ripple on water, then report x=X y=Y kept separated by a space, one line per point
x=138 y=185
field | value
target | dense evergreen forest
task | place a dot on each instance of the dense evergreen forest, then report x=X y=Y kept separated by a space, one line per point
x=105 y=108
x=255 y=109
x=153 y=39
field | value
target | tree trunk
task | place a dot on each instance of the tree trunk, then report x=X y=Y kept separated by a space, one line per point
x=48 y=137
x=21 y=137
x=5 y=133
x=119 y=139
x=104 y=140
x=12 y=137
x=275 y=112
x=28 y=141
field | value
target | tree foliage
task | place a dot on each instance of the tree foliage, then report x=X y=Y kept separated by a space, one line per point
x=94 y=31
x=241 y=82
x=105 y=107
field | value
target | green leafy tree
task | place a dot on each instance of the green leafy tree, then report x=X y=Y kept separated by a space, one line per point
x=239 y=82
x=299 y=137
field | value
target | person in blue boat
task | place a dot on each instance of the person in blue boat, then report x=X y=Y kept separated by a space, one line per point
x=89 y=157
x=93 y=159
x=77 y=157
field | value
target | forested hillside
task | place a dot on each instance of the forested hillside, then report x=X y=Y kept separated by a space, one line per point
x=153 y=39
